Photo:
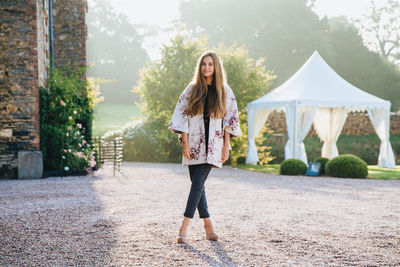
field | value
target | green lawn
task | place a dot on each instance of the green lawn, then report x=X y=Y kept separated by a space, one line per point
x=109 y=117
x=379 y=173
x=269 y=168
x=374 y=172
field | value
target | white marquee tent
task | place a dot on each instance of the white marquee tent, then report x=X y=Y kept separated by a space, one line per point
x=317 y=95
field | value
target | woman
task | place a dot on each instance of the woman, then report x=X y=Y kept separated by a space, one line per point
x=206 y=117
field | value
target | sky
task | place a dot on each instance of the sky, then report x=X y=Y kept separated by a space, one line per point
x=144 y=12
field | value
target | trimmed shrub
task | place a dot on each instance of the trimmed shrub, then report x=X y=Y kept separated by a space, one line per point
x=323 y=162
x=347 y=166
x=293 y=167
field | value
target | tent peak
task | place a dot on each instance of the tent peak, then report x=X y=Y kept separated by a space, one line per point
x=316 y=83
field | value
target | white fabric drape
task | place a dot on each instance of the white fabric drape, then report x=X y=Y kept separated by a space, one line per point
x=256 y=119
x=328 y=123
x=298 y=121
x=380 y=118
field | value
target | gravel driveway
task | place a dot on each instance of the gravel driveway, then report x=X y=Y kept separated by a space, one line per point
x=262 y=219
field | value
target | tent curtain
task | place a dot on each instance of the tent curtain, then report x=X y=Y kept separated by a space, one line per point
x=298 y=120
x=256 y=119
x=328 y=123
x=380 y=118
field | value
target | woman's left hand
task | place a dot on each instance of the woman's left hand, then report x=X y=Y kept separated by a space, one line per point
x=225 y=153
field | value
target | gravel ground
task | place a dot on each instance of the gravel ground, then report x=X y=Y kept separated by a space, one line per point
x=262 y=219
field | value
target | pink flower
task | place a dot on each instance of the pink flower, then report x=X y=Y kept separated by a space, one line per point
x=75 y=112
x=69 y=150
x=69 y=128
x=62 y=102
x=79 y=125
x=65 y=151
x=66 y=134
x=70 y=118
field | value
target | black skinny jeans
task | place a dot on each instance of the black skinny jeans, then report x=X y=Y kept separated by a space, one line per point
x=197 y=195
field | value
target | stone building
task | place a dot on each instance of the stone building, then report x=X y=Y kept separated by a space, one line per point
x=29 y=32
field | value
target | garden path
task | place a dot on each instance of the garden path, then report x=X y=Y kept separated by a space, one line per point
x=133 y=219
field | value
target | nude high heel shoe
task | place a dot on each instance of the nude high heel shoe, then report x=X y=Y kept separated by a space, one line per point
x=183 y=230
x=181 y=239
x=210 y=236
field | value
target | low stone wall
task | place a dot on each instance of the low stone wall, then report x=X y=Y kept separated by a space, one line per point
x=356 y=124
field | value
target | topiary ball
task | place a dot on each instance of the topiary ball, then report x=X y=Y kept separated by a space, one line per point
x=323 y=162
x=347 y=166
x=293 y=167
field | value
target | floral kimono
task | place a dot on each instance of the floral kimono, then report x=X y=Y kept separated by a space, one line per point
x=194 y=126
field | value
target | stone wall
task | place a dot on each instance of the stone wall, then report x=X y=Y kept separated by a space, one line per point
x=24 y=61
x=19 y=87
x=356 y=124
x=69 y=32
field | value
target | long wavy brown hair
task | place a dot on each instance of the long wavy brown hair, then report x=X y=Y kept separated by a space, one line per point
x=216 y=100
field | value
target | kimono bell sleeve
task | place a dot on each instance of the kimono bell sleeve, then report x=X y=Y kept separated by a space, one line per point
x=179 y=122
x=231 y=119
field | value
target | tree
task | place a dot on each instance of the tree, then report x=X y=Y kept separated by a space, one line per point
x=115 y=47
x=287 y=32
x=380 y=29
x=162 y=82
x=352 y=60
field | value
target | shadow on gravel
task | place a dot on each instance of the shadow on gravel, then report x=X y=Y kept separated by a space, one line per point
x=223 y=256
x=53 y=221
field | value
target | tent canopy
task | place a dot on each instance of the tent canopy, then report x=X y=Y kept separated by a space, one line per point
x=317 y=94
x=316 y=83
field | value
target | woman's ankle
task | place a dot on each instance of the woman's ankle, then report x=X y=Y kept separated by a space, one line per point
x=184 y=226
x=207 y=221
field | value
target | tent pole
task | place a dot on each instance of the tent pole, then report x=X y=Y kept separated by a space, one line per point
x=330 y=131
x=295 y=131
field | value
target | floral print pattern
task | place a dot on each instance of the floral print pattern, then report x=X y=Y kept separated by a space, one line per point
x=194 y=126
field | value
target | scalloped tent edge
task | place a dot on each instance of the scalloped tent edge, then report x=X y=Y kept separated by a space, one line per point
x=317 y=95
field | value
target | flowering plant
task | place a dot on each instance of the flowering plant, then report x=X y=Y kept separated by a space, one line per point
x=66 y=112
x=77 y=152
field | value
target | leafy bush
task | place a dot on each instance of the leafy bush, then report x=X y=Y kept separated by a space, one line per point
x=347 y=166
x=241 y=160
x=323 y=162
x=141 y=144
x=66 y=114
x=162 y=82
x=365 y=146
x=263 y=149
x=293 y=167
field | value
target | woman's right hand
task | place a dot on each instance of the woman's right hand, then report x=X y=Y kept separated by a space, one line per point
x=186 y=150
